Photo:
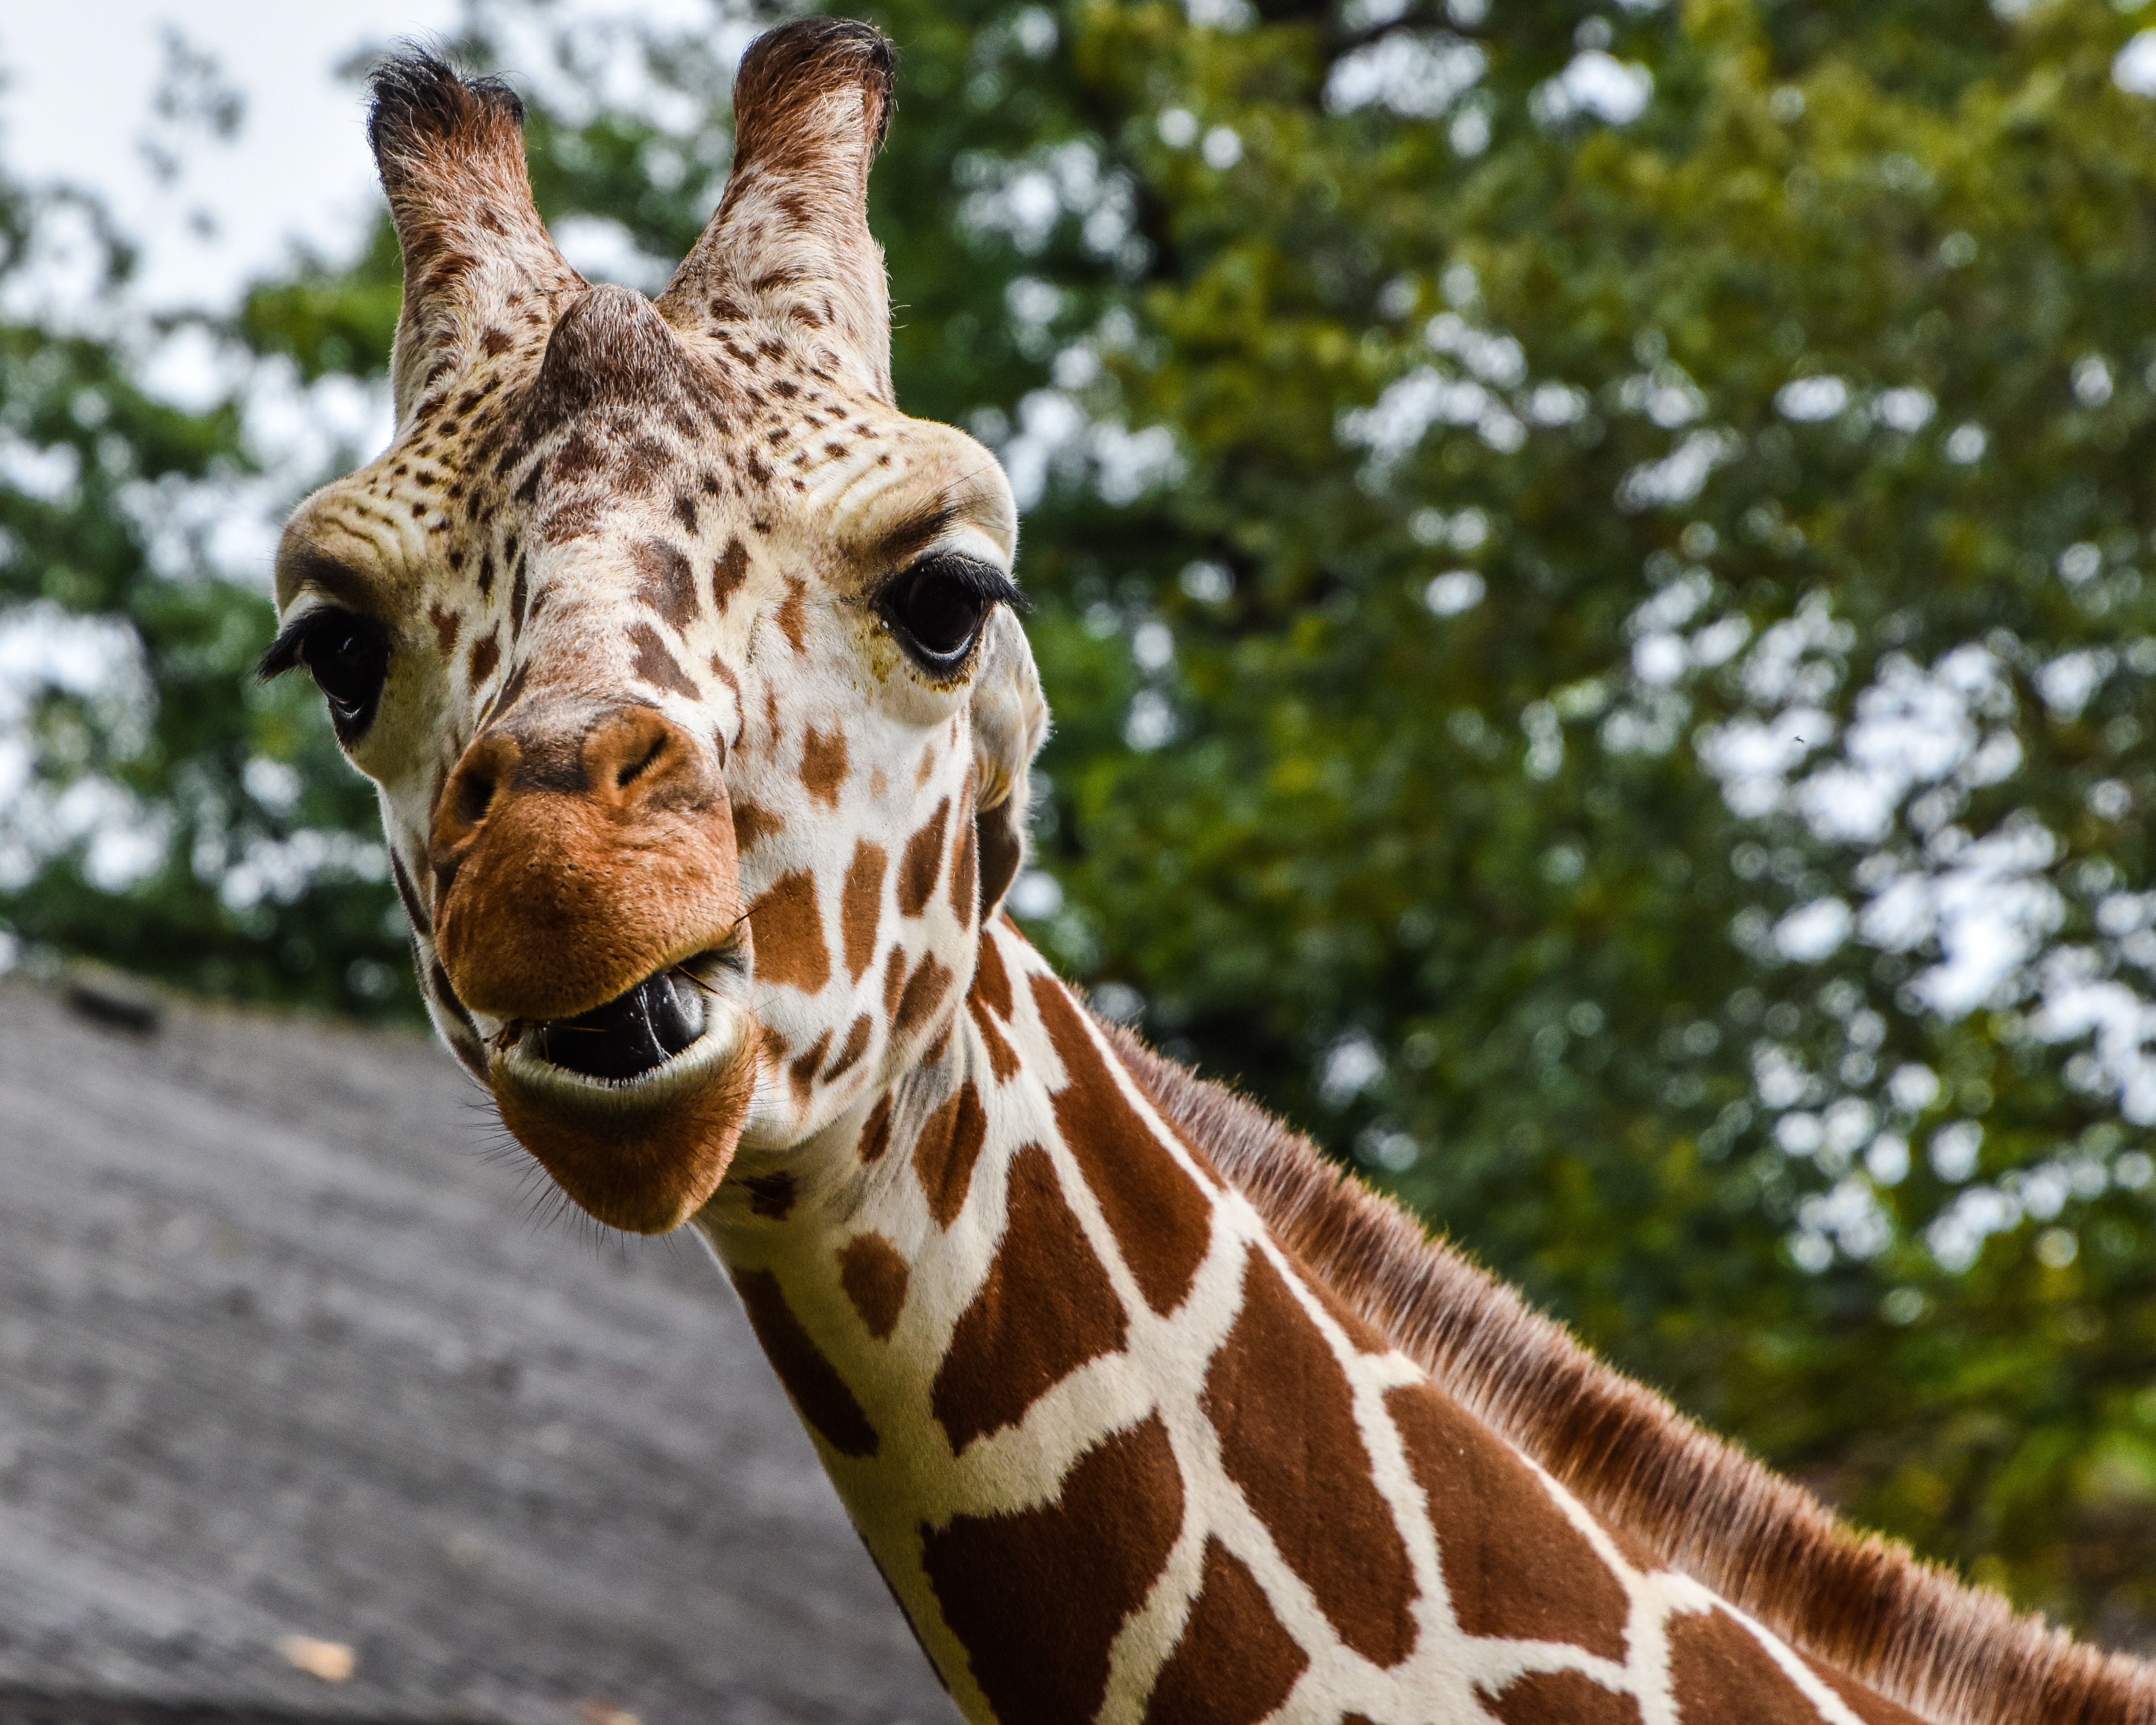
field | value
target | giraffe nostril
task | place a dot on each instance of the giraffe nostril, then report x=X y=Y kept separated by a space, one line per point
x=634 y=770
x=475 y=796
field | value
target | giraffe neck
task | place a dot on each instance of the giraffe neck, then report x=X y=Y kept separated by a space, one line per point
x=1120 y=1455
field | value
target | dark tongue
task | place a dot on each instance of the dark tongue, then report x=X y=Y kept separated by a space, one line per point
x=655 y=1020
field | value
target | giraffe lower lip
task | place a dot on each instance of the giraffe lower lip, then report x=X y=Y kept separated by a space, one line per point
x=641 y=1152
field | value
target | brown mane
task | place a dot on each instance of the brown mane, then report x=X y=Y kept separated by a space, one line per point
x=1954 y=1654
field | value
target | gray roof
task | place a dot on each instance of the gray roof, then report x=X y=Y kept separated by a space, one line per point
x=291 y=1343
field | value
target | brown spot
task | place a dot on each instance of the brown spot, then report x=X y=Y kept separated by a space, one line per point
x=771 y=1196
x=665 y=582
x=991 y=981
x=924 y=990
x=445 y=997
x=923 y=863
x=1719 y=1671
x=792 y=617
x=803 y=1071
x=485 y=654
x=579 y=458
x=823 y=765
x=752 y=824
x=944 y=1154
x=575 y=518
x=1570 y=1698
x=1160 y=1217
x=788 y=931
x=856 y=1046
x=1514 y=1567
x=965 y=877
x=860 y=906
x=638 y=470
x=874 y=1276
x=1309 y=1479
x=1872 y=1709
x=728 y=573
x=495 y=342
x=684 y=511
x=819 y=1392
x=1045 y=1307
x=875 y=1133
x=446 y=624
x=1036 y=1598
x=655 y=665
x=1003 y=1058
x=894 y=981
x=415 y=913
x=518 y=593
x=510 y=692
x=1235 y=1662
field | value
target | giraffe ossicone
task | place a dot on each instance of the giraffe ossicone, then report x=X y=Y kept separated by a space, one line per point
x=687 y=669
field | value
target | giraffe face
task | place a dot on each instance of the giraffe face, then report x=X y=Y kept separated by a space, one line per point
x=682 y=661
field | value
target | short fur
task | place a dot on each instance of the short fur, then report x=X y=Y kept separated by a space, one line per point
x=451 y=156
x=418 y=101
x=1956 y=1654
x=789 y=247
x=785 y=72
x=656 y=548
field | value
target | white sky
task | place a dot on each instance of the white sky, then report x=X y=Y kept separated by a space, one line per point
x=80 y=76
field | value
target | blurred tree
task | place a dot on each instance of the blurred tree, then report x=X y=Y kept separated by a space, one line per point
x=1590 y=573
x=156 y=810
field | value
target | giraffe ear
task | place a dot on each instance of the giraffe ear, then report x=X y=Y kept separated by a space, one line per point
x=1010 y=723
x=451 y=157
x=789 y=247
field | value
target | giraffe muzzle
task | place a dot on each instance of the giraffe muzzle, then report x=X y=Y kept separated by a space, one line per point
x=577 y=853
x=588 y=900
x=634 y=1107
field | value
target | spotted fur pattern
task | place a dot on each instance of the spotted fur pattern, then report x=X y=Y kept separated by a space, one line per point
x=1144 y=1416
x=1123 y=1455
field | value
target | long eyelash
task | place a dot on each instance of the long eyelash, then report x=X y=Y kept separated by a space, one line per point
x=283 y=653
x=985 y=580
x=990 y=583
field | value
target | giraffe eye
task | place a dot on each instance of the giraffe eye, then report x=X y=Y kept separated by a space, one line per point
x=348 y=657
x=937 y=607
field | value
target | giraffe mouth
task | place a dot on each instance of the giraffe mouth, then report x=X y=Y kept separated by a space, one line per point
x=646 y=1045
x=634 y=1107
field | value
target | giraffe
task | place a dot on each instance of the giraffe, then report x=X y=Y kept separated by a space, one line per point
x=689 y=672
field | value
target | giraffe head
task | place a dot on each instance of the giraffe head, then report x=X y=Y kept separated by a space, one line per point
x=685 y=663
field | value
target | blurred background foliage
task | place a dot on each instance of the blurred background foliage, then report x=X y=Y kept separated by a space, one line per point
x=1589 y=568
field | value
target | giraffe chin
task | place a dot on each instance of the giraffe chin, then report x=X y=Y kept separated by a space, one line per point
x=642 y=1154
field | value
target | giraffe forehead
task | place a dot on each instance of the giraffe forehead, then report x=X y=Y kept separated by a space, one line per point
x=466 y=491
